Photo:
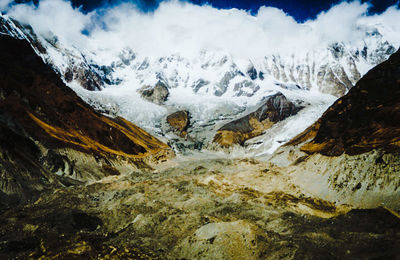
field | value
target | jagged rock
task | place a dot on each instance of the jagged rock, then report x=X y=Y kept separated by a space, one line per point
x=333 y=80
x=252 y=72
x=85 y=75
x=78 y=70
x=246 y=88
x=276 y=108
x=8 y=26
x=332 y=69
x=261 y=75
x=157 y=94
x=179 y=121
x=222 y=86
x=199 y=84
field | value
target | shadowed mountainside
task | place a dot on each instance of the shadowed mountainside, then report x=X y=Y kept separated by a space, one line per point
x=367 y=118
x=55 y=116
x=40 y=116
x=351 y=155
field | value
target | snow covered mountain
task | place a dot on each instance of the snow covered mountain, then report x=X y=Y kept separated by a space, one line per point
x=215 y=87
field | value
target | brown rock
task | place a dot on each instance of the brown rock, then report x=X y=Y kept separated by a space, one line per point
x=276 y=108
x=179 y=121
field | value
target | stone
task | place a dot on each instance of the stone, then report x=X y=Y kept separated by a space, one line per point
x=179 y=121
x=157 y=94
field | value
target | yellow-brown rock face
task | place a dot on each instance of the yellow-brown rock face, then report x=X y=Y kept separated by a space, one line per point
x=179 y=121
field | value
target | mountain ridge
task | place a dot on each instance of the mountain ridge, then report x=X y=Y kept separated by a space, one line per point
x=51 y=137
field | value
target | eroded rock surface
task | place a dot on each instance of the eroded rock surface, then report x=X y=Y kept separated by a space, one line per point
x=276 y=108
x=222 y=240
x=179 y=121
x=352 y=153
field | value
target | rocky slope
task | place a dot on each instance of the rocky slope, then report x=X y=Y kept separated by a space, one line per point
x=196 y=208
x=367 y=118
x=49 y=135
x=179 y=121
x=353 y=149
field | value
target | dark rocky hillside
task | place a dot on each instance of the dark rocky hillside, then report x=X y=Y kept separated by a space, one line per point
x=367 y=118
x=40 y=116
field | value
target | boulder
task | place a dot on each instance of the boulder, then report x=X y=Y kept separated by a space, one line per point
x=179 y=121
x=157 y=94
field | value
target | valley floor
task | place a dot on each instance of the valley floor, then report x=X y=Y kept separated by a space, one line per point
x=196 y=208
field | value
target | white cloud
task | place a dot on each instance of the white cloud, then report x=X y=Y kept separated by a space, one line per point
x=55 y=16
x=179 y=27
x=339 y=23
x=4 y=4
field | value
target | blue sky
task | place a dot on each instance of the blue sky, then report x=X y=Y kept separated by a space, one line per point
x=300 y=9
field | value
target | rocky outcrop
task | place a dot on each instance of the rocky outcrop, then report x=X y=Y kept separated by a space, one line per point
x=333 y=71
x=157 y=94
x=84 y=75
x=365 y=180
x=179 y=121
x=276 y=108
x=50 y=136
x=246 y=88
